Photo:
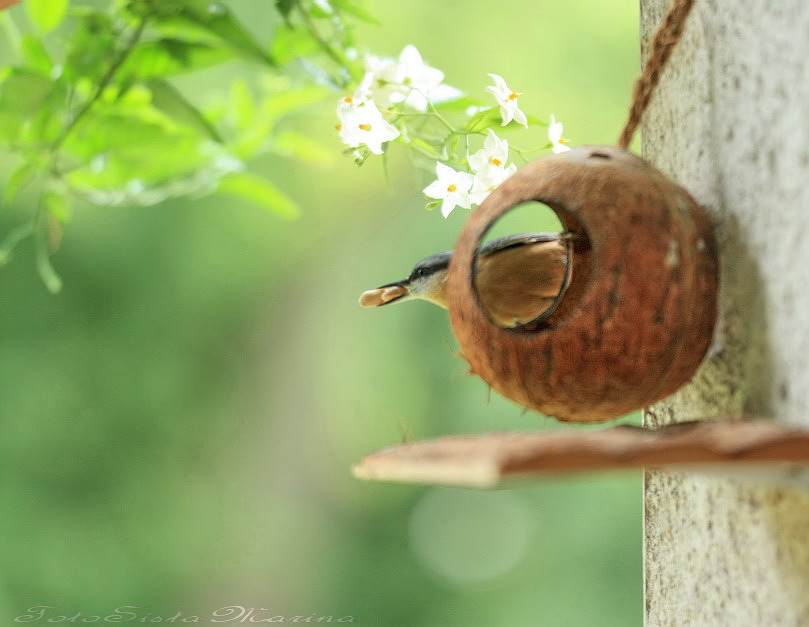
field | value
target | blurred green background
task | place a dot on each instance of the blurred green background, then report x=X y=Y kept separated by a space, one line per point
x=179 y=423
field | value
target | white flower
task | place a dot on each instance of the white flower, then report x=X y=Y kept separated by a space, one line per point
x=494 y=154
x=417 y=77
x=407 y=80
x=361 y=123
x=361 y=95
x=507 y=99
x=484 y=184
x=555 y=130
x=489 y=166
x=452 y=188
x=381 y=75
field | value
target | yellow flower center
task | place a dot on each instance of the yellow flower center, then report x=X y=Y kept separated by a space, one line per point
x=496 y=161
x=563 y=140
x=451 y=188
x=348 y=100
x=339 y=127
x=513 y=95
x=365 y=127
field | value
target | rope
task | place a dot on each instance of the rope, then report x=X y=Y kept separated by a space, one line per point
x=663 y=43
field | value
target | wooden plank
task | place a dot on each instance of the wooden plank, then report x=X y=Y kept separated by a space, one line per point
x=490 y=459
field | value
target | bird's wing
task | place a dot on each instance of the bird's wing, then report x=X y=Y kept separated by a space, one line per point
x=512 y=241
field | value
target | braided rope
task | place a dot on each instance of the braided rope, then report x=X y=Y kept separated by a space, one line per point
x=665 y=39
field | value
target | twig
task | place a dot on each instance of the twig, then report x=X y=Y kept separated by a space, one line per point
x=102 y=84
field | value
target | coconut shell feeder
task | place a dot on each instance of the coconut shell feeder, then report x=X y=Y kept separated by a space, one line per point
x=637 y=315
x=630 y=326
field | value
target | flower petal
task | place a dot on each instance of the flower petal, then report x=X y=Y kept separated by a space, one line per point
x=447 y=206
x=519 y=117
x=436 y=189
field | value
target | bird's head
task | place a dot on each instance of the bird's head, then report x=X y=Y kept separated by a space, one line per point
x=427 y=281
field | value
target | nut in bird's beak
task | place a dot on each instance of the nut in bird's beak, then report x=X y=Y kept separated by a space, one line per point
x=384 y=294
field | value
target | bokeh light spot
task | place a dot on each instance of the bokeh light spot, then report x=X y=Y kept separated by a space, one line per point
x=467 y=538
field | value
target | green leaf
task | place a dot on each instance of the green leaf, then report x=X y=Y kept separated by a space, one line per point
x=9 y=128
x=35 y=55
x=289 y=42
x=126 y=142
x=139 y=8
x=244 y=107
x=91 y=46
x=170 y=101
x=47 y=14
x=284 y=7
x=483 y=119
x=289 y=143
x=171 y=57
x=23 y=91
x=261 y=192
x=357 y=10
x=17 y=180
x=217 y=20
x=29 y=105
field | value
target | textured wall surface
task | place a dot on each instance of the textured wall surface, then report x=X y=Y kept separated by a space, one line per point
x=730 y=121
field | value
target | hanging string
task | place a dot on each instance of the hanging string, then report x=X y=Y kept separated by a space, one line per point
x=663 y=43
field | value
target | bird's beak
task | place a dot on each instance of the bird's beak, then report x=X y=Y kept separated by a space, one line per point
x=385 y=294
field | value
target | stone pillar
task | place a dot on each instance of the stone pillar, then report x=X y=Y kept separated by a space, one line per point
x=730 y=122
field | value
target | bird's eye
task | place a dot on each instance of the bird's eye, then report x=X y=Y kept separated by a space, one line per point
x=418 y=273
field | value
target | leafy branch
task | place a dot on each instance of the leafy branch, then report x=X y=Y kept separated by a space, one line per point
x=90 y=107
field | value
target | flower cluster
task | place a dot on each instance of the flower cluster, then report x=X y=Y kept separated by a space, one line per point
x=361 y=121
x=386 y=83
x=404 y=100
x=462 y=189
x=409 y=81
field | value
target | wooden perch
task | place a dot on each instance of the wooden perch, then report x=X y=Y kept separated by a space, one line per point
x=489 y=459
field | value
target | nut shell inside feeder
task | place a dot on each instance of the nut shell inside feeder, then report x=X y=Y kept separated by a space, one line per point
x=638 y=314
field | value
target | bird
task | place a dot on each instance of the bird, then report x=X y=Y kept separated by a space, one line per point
x=517 y=278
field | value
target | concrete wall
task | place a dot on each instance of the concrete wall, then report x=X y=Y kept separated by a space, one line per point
x=730 y=121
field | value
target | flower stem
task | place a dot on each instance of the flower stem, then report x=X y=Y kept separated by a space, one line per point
x=327 y=48
x=523 y=152
x=48 y=275
x=17 y=234
x=441 y=118
x=432 y=154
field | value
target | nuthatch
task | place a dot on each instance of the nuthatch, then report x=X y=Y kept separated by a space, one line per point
x=517 y=278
